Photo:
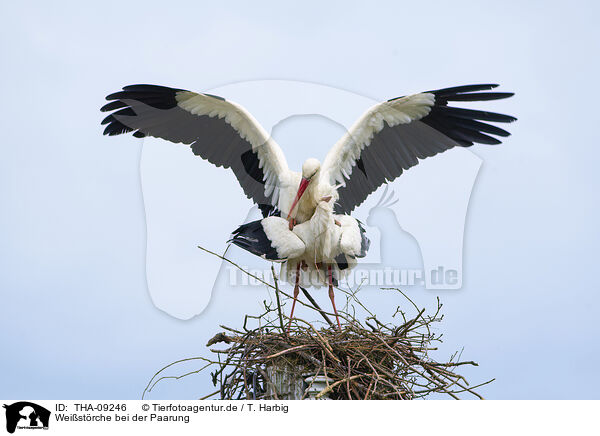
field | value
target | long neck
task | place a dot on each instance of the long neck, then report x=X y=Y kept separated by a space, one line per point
x=322 y=218
x=307 y=203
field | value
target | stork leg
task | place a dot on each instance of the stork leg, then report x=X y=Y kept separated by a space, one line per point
x=296 y=290
x=331 y=295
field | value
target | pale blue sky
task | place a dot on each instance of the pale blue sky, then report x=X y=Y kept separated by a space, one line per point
x=76 y=316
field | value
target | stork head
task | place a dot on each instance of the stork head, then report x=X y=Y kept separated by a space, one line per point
x=325 y=204
x=310 y=168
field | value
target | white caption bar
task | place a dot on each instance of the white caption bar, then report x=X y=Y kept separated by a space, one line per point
x=295 y=417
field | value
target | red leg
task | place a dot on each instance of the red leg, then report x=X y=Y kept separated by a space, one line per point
x=331 y=295
x=292 y=223
x=296 y=290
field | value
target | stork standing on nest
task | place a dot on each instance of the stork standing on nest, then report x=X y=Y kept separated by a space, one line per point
x=388 y=139
x=318 y=251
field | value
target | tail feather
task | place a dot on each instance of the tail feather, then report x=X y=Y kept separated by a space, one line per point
x=252 y=238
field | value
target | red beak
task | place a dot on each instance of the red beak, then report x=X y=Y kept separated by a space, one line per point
x=303 y=185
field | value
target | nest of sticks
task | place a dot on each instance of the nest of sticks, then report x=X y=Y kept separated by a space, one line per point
x=367 y=359
x=372 y=361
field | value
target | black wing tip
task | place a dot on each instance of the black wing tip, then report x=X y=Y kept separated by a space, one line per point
x=475 y=96
x=466 y=126
x=156 y=96
x=125 y=112
x=465 y=88
x=108 y=119
x=472 y=114
x=465 y=91
x=113 y=105
x=116 y=128
x=144 y=93
x=146 y=87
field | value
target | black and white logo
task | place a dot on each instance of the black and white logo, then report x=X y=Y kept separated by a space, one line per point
x=26 y=415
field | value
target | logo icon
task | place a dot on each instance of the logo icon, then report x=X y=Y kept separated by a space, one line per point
x=26 y=415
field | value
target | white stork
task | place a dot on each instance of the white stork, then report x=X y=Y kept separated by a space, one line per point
x=389 y=138
x=318 y=251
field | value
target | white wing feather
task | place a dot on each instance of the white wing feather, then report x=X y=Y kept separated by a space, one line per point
x=342 y=157
x=287 y=244
x=272 y=159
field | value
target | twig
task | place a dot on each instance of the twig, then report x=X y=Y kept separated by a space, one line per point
x=278 y=302
x=333 y=385
x=314 y=303
x=209 y=395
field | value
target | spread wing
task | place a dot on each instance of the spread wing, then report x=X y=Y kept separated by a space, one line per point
x=217 y=130
x=394 y=135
